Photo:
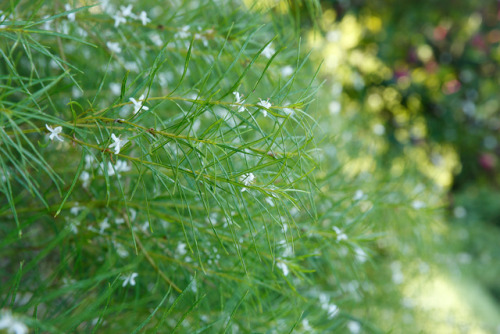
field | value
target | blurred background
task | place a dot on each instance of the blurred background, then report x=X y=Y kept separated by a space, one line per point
x=422 y=79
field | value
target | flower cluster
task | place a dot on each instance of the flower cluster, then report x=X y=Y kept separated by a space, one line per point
x=126 y=12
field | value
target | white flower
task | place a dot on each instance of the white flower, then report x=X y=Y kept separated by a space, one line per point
x=120 y=250
x=76 y=209
x=286 y=71
x=89 y=162
x=264 y=104
x=238 y=97
x=334 y=107
x=114 y=47
x=183 y=33
x=12 y=325
x=119 y=19
x=358 y=195
x=127 y=11
x=118 y=143
x=130 y=279
x=459 y=212
x=332 y=310
x=54 y=133
x=138 y=104
x=143 y=16
x=239 y=101
x=104 y=225
x=71 y=16
x=360 y=255
x=247 y=179
x=268 y=51
x=116 y=88
x=156 y=39
x=354 y=327
x=378 y=129
x=145 y=227
x=122 y=166
x=340 y=234
x=133 y=214
x=418 y=205
x=306 y=325
x=283 y=267
x=288 y=111
x=181 y=249
x=269 y=201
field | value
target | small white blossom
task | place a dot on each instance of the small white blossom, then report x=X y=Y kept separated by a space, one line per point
x=360 y=255
x=340 y=234
x=269 y=201
x=104 y=225
x=89 y=162
x=418 y=205
x=239 y=101
x=120 y=166
x=11 y=324
x=85 y=178
x=133 y=214
x=76 y=209
x=138 y=104
x=182 y=33
x=131 y=66
x=118 y=143
x=156 y=39
x=286 y=71
x=73 y=226
x=288 y=111
x=119 y=19
x=459 y=212
x=181 y=249
x=334 y=107
x=264 y=104
x=238 y=97
x=358 y=195
x=247 y=179
x=54 y=133
x=130 y=279
x=143 y=17
x=305 y=324
x=354 y=327
x=127 y=11
x=283 y=267
x=120 y=250
x=378 y=129
x=116 y=88
x=268 y=51
x=114 y=47
x=71 y=16
x=332 y=310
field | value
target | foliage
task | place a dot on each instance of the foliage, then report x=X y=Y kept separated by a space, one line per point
x=195 y=168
